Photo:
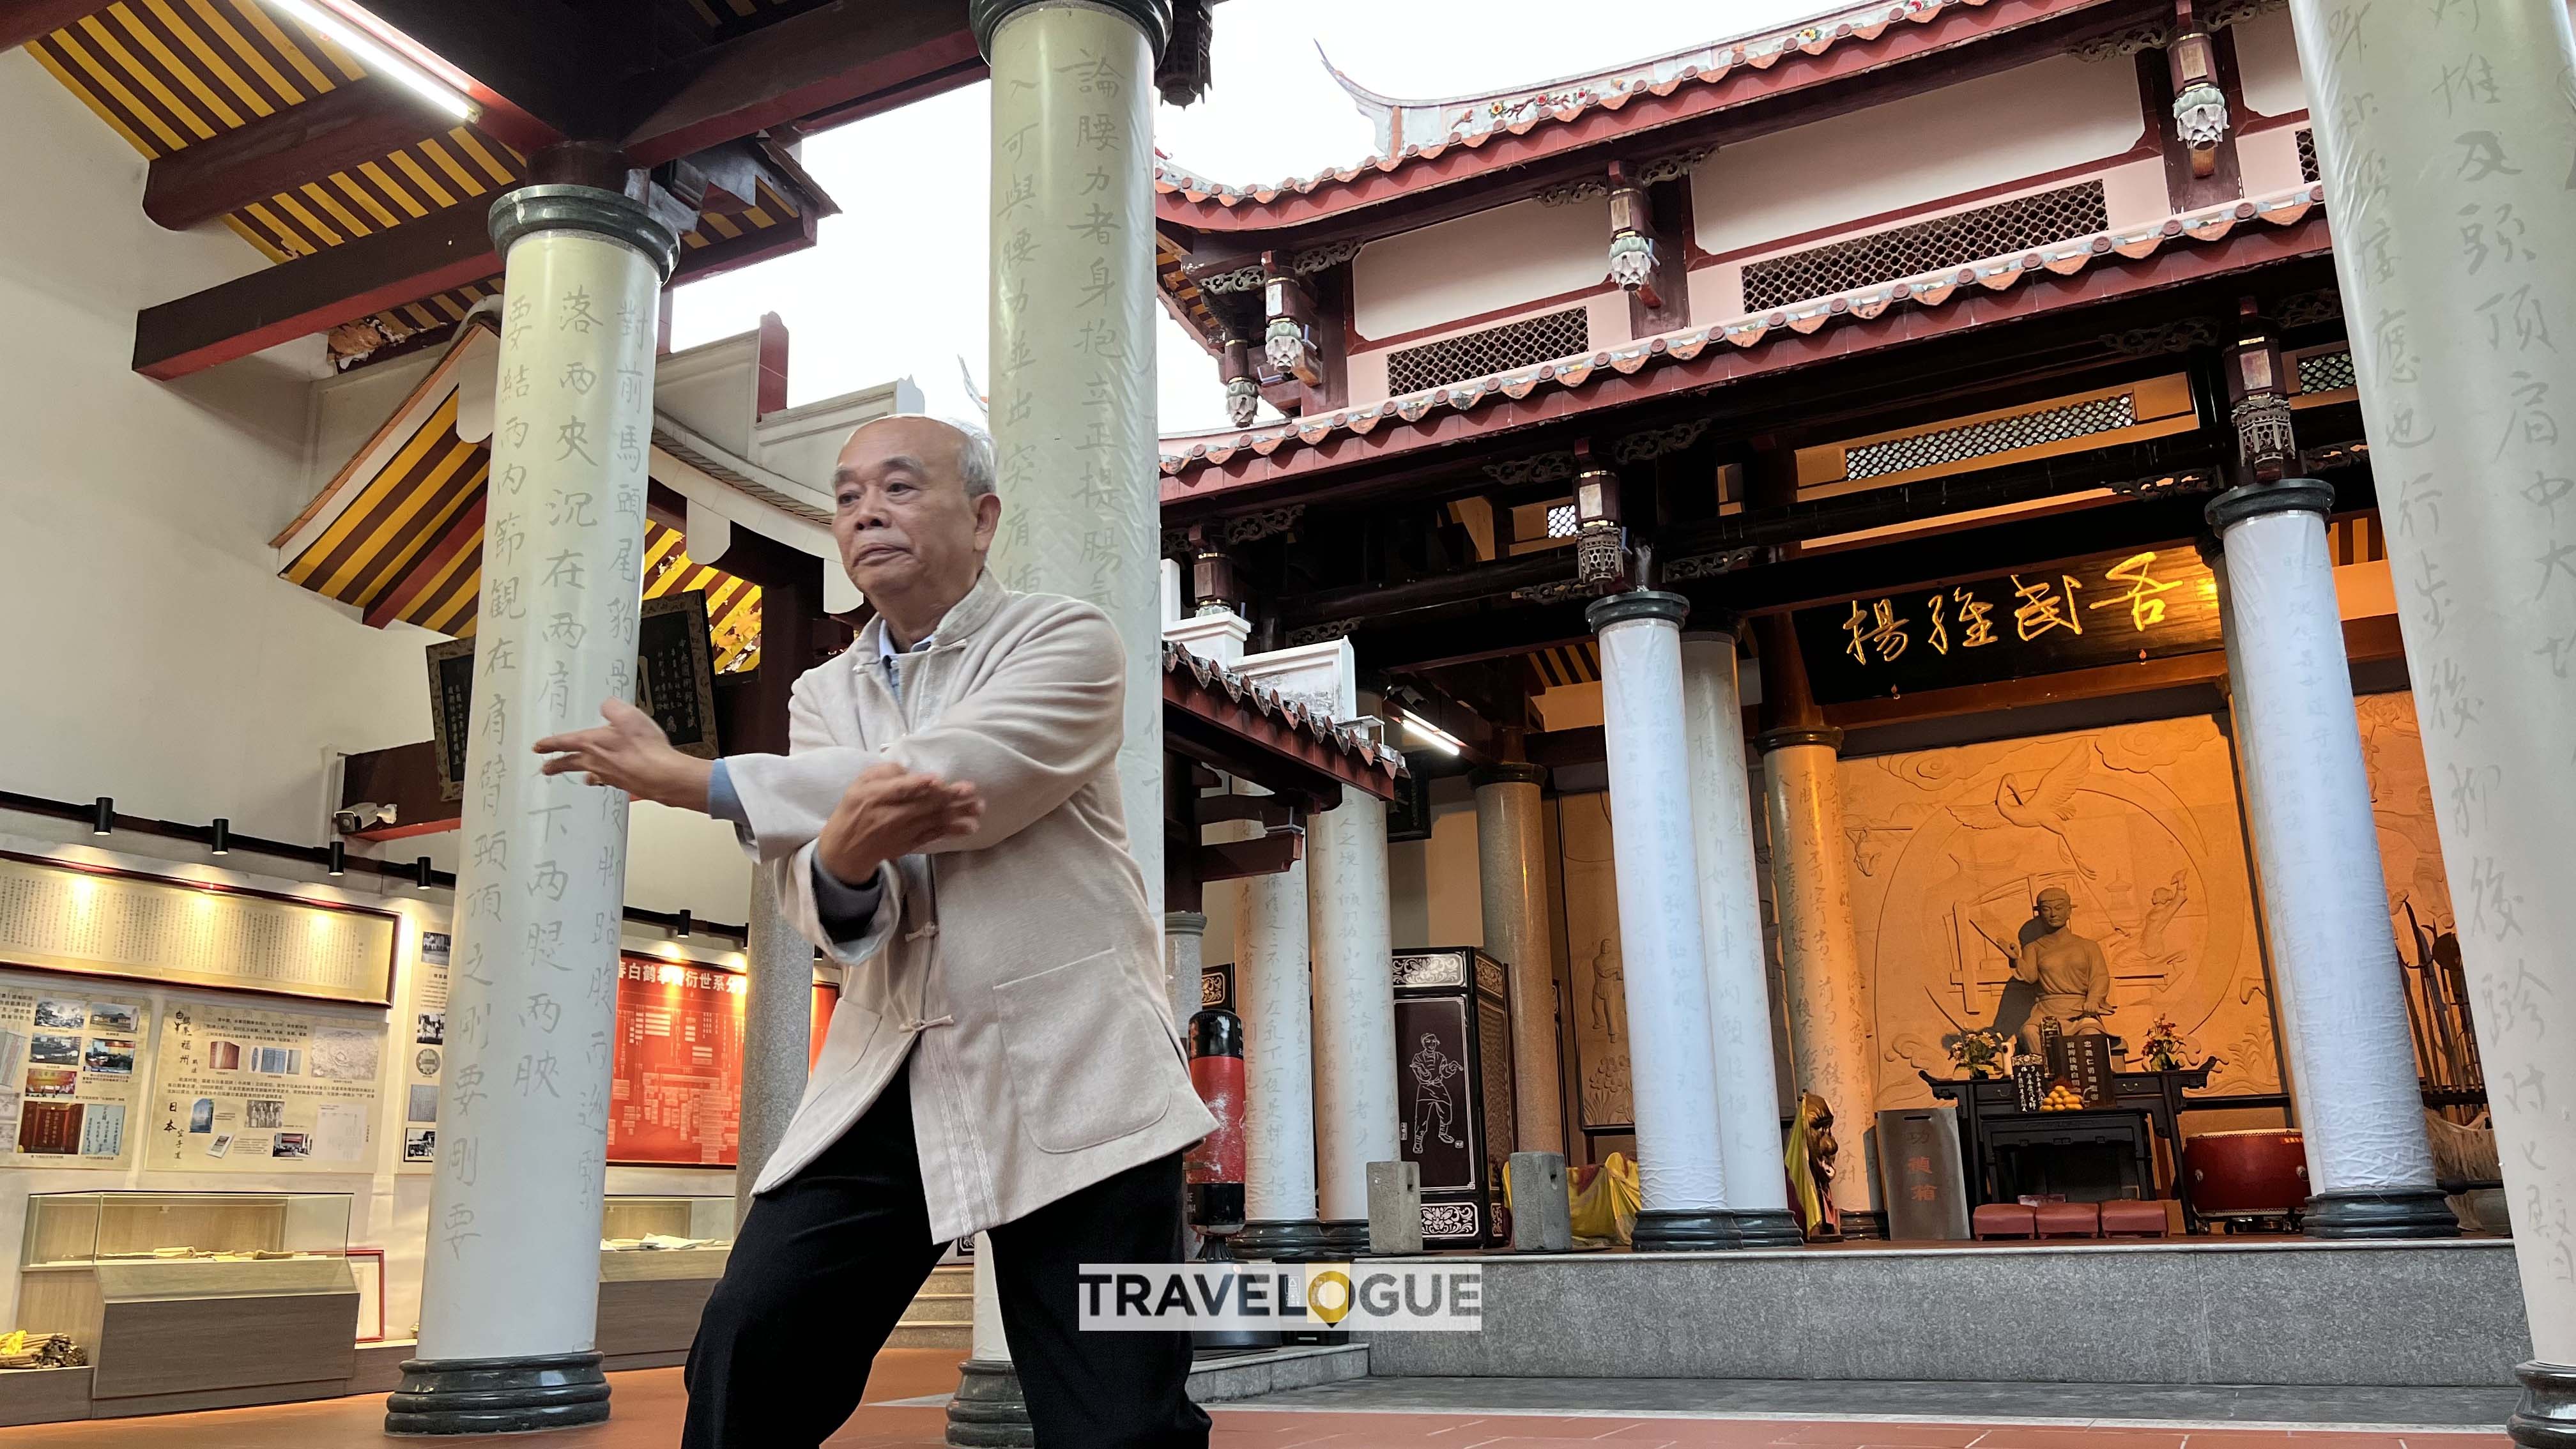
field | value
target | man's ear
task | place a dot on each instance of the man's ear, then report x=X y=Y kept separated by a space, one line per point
x=988 y=519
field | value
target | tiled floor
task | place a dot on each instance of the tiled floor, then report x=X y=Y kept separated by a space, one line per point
x=648 y=1407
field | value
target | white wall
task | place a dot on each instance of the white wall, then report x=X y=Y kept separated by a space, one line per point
x=1912 y=152
x=1492 y=260
x=2267 y=65
x=154 y=655
x=1434 y=895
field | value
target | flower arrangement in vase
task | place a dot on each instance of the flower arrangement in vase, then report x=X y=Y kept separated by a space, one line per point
x=1979 y=1053
x=2163 y=1049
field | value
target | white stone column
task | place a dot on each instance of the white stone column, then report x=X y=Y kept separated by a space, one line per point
x=1184 y=958
x=1511 y=867
x=1730 y=913
x=1829 y=998
x=2248 y=772
x=1681 y=1172
x=1273 y=992
x=777 y=1032
x=509 y=1301
x=2370 y=1173
x=1072 y=356
x=2444 y=134
x=1356 y=1119
x=1073 y=316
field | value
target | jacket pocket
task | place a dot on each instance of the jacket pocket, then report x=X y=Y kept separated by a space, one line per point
x=1082 y=1053
x=846 y=1040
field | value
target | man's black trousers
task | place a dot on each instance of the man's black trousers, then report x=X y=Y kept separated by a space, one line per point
x=826 y=1262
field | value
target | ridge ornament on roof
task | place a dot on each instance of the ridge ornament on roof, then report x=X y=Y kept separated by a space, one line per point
x=1929 y=289
x=1422 y=130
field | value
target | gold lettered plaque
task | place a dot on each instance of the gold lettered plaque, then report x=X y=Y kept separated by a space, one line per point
x=95 y=921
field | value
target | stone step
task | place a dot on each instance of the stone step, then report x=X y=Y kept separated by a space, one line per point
x=931 y=1335
x=946 y=1301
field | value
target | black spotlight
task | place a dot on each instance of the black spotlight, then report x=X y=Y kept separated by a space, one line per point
x=420 y=872
x=223 y=836
x=682 y=929
x=339 y=861
x=103 y=822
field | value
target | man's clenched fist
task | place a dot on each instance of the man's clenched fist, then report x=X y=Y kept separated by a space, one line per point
x=890 y=811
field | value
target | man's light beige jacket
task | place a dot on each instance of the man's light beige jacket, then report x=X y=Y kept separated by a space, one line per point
x=1017 y=966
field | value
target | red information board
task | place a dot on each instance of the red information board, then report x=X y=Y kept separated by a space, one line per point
x=675 y=1093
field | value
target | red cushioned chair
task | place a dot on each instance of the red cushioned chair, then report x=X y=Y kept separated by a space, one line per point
x=2003 y=1220
x=2134 y=1219
x=2067 y=1220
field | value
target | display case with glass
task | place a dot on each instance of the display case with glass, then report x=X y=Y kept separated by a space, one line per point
x=79 y=1229
x=641 y=1223
x=83 y=1248
x=658 y=1254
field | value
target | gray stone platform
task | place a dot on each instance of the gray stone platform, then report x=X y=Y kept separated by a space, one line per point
x=2128 y=1405
x=2211 y=1312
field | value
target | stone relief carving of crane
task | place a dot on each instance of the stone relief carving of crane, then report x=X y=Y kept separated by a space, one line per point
x=2050 y=805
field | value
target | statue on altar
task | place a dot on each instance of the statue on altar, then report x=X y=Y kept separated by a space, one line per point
x=2070 y=973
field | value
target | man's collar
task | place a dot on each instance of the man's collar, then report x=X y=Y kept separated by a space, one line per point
x=963 y=617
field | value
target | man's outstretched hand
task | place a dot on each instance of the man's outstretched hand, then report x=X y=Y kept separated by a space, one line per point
x=630 y=753
x=890 y=811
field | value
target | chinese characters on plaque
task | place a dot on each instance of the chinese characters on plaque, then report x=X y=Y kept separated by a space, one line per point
x=674 y=669
x=2108 y=609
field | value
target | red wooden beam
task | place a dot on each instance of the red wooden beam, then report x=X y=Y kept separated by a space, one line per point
x=341 y=128
x=1265 y=855
x=296 y=298
x=25 y=20
x=309 y=294
x=843 y=59
x=539 y=70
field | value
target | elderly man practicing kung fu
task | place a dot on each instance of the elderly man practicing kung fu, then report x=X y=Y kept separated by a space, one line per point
x=947 y=826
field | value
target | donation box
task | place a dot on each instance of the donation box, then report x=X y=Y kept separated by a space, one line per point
x=1453 y=1090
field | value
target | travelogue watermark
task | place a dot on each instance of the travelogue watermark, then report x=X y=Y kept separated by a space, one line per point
x=1409 y=1297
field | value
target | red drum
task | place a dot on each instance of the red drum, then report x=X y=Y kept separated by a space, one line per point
x=2257 y=1174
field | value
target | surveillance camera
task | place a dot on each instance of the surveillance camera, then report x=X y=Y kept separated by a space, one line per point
x=365 y=815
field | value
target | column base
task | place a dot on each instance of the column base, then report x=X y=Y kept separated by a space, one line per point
x=1686 y=1230
x=1345 y=1238
x=2405 y=1212
x=1767 y=1228
x=1864 y=1227
x=1284 y=1240
x=498 y=1395
x=988 y=1412
x=2546 y=1418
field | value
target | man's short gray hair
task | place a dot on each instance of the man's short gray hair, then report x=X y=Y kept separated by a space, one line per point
x=975 y=459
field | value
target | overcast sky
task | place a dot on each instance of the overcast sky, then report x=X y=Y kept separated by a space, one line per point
x=895 y=287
